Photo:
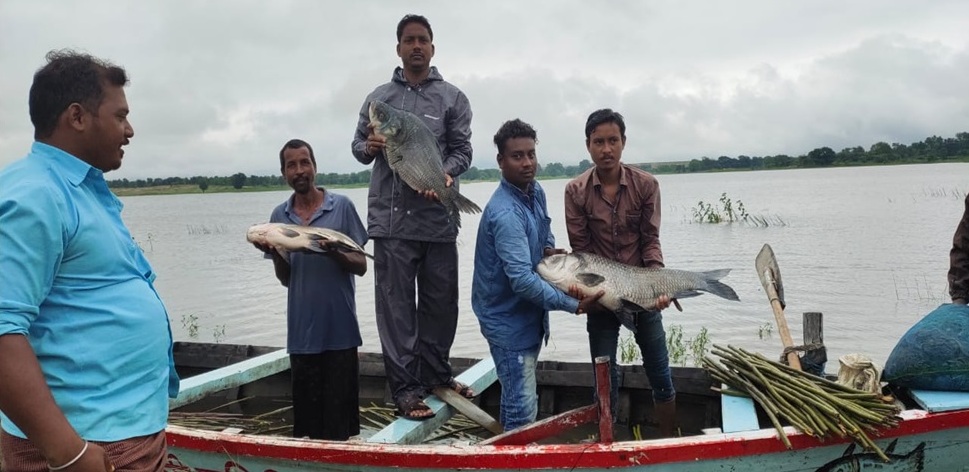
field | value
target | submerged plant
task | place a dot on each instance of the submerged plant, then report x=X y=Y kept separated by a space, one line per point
x=190 y=323
x=765 y=331
x=699 y=346
x=218 y=333
x=674 y=345
x=725 y=212
x=628 y=349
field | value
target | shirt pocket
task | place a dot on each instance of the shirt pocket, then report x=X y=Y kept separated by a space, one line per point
x=633 y=221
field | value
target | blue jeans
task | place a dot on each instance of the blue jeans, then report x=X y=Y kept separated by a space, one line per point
x=603 y=331
x=519 y=392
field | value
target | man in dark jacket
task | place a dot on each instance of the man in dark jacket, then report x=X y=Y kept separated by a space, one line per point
x=959 y=261
x=414 y=239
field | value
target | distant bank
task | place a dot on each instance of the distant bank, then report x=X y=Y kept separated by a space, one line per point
x=655 y=168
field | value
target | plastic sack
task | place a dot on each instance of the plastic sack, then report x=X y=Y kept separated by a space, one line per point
x=934 y=353
x=860 y=373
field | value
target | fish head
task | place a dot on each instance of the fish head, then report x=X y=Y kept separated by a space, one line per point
x=559 y=269
x=384 y=119
x=258 y=233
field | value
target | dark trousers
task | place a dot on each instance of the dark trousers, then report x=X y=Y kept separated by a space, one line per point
x=416 y=337
x=326 y=394
x=603 y=328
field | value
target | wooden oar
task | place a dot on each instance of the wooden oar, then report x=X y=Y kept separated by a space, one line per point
x=469 y=409
x=770 y=278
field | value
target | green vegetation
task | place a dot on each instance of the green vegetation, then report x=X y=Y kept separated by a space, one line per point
x=765 y=331
x=932 y=149
x=678 y=349
x=628 y=349
x=190 y=323
x=723 y=213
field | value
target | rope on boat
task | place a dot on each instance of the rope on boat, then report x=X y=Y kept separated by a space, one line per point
x=813 y=405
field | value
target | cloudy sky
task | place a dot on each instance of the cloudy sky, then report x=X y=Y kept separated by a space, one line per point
x=217 y=86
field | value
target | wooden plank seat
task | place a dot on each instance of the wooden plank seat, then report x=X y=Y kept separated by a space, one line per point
x=407 y=431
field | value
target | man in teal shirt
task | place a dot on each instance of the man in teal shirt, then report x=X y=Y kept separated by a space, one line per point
x=85 y=342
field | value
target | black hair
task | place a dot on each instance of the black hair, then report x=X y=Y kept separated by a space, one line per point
x=605 y=115
x=69 y=77
x=295 y=144
x=513 y=129
x=408 y=19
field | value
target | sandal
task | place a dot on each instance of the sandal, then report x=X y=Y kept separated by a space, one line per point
x=462 y=389
x=409 y=405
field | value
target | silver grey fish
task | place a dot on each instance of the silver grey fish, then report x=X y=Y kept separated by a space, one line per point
x=294 y=238
x=413 y=154
x=850 y=462
x=629 y=289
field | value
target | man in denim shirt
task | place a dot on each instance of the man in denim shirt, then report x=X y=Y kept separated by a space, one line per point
x=511 y=301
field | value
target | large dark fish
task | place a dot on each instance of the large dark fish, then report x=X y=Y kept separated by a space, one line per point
x=294 y=238
x=629 y=289
x=914 y=461
x=413 y=154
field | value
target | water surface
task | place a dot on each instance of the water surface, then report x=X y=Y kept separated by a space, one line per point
x=866 y=246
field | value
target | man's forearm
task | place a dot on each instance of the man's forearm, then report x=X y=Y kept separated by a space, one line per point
x=26 y=399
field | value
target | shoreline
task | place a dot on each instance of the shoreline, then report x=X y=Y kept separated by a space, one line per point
x=650 y=167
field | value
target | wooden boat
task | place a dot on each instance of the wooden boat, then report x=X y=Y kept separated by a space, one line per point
x=719 y=433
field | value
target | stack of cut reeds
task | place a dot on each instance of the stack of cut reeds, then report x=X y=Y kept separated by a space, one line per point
x=815 y=406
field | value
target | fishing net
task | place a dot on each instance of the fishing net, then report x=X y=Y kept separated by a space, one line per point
x=934 y=353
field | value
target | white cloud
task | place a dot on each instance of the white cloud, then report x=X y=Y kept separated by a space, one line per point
x=218 y=86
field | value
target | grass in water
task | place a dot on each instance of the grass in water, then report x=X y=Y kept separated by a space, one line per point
x=727 y=211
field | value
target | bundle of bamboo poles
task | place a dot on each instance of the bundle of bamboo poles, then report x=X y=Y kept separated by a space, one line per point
x=815 y=406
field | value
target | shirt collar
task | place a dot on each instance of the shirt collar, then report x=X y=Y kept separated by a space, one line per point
x=525 y=194
x=71 y=166
x=622 y=177
x=327 y=205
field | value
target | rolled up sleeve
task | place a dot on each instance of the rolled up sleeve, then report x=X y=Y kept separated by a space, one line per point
x=31 y=247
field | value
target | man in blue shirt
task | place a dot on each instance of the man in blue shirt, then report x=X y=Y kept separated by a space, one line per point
x=511 y=301
x=85 y=343
x=322 y=333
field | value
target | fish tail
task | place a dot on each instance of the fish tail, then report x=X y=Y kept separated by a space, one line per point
x=716 y=287
x=463 y=204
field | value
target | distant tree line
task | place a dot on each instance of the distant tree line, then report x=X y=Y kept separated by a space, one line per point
x=932 y=149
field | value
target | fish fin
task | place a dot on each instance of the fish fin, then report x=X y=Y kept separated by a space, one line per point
x=289 y=233
x=849 y=451
x=627 y=305
x=891 y=447
x=316 y=237
x=464 y=204
x=626 y=314
x=455 y=216
x=686 y=294
x=918 y=455
x=589 y=279
x=283 y=253
x=716 y=287
x=315 y=246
